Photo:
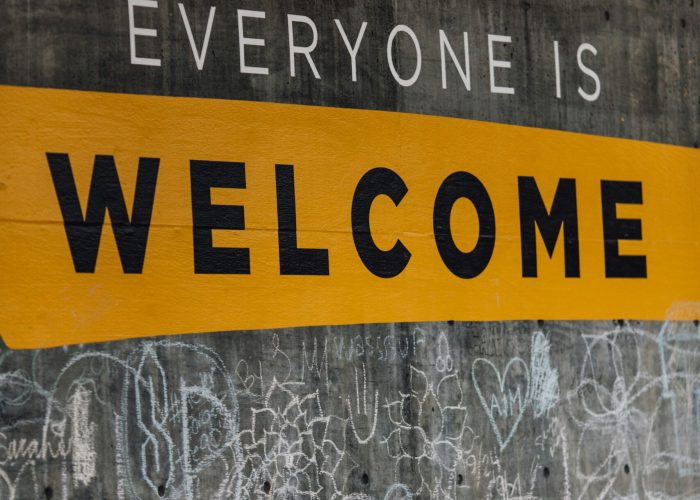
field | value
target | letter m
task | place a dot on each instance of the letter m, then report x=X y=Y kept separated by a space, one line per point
x=84 y=233
x=563 y=213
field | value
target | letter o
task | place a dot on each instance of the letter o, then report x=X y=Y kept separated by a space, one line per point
x=464 y=264
x=390 y=44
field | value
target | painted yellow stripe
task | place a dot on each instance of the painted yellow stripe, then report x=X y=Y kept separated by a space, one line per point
x=44 y=302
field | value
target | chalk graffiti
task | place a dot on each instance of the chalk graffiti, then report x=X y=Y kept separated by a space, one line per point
x=380 y=413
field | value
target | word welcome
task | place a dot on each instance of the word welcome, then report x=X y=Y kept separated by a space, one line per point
x=219 y=212
x=131 y=232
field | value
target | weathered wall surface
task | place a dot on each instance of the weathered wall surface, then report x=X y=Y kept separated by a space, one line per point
x=515 y=410
x=606 y=409
x=647 y=58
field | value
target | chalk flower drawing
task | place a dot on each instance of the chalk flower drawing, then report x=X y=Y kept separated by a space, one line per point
x=603 y=413
x=429 y=425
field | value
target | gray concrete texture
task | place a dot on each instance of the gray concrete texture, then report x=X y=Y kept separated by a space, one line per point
x=509 y=410
x=465 y=410
x=647 y=57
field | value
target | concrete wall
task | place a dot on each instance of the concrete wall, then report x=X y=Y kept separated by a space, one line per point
x=606 y=409
x=647 y=58
x=496 y=410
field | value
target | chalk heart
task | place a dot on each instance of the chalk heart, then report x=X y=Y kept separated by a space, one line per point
x=505 y=403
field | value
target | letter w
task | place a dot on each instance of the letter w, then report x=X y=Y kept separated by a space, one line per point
x=105 y=195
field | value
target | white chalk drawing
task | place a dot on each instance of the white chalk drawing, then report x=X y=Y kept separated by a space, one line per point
x=381 y=414
x=363 y=413
x=506 y=403
x=398 y=491
x=428 y=425
x=635 y=413
x=84 y=456
x=544 y=379
x=444 y=361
